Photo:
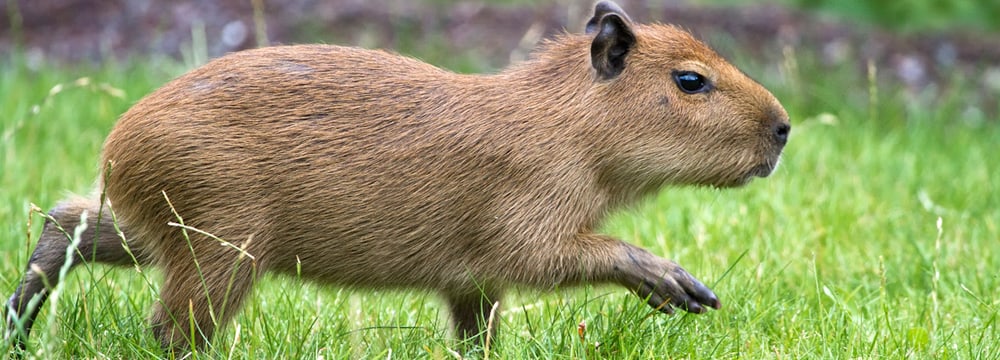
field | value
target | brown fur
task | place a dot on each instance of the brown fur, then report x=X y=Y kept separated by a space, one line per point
x=370 y=169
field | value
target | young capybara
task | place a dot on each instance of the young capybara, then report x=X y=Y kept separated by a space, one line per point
x=369 y=169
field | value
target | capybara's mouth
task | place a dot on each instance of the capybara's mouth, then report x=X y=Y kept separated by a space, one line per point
x=766 y=169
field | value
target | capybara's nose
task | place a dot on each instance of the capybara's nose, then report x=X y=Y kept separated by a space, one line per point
x=781 y=131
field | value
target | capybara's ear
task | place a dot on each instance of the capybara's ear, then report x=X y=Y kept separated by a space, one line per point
x=613 y=38
x=604 y=8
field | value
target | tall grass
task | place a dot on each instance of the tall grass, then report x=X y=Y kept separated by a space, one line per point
x=875 y=238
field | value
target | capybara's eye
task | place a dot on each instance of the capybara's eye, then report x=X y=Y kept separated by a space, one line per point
x=690 y=82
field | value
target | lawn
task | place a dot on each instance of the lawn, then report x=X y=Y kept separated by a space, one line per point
x=876 y=238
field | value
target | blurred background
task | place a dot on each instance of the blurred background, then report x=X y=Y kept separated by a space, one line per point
x=918 y=42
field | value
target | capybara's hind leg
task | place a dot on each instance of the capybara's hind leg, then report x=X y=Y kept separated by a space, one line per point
x=98 y=242
x=205 y=294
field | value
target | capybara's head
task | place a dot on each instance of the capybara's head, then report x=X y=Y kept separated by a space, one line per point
x=675 y=111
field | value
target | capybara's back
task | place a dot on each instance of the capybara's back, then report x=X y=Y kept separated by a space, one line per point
x=365 y=168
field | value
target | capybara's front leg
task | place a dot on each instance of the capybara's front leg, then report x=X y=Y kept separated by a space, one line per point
x=602 y=258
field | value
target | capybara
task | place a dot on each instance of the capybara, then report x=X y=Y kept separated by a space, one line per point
x=369 y=169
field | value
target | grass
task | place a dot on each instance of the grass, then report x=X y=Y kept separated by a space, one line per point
x=874 y=239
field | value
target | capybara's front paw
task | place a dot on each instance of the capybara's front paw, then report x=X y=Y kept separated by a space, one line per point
x=665 y=285
x=677 y=288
